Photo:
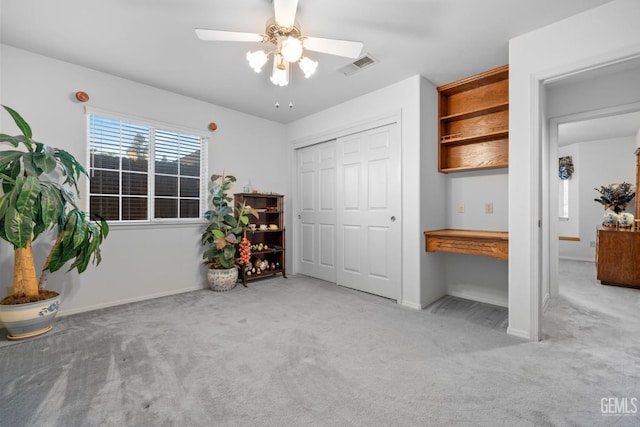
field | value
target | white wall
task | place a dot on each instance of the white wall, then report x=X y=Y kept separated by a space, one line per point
x=433 y=191
x=599 y=92
x=598 y=36
x=478 y=278
x=146 y=261
x=422 y=187
x=474 y=189
x=600 y=163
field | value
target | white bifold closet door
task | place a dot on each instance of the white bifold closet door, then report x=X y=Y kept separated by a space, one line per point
x=350 y=217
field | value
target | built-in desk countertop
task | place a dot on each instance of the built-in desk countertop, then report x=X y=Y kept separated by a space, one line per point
x=474 y=242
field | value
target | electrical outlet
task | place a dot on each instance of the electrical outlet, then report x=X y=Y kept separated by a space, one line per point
x=461 y=207
x=488 y=207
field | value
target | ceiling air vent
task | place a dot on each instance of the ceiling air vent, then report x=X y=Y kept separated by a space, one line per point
x=357 y=65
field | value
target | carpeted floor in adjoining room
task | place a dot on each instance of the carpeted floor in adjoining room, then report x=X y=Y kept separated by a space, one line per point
x=302 y=352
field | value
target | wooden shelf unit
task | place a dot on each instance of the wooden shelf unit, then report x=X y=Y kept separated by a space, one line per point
x=473 y=242
x=473 y=128
x=270 y=208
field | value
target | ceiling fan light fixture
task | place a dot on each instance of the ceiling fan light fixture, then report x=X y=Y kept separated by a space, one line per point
x=280 y=74
x=257 y=60
x=308 y=66
x=287 y=44
x=291 y=49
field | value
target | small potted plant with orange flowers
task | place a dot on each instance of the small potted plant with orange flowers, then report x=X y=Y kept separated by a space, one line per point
x=224 y=237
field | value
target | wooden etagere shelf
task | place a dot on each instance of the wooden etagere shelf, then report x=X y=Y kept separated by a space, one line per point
x=268 y=232
x=473 y=126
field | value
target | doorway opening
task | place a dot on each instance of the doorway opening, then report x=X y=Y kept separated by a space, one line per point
x=598 y=135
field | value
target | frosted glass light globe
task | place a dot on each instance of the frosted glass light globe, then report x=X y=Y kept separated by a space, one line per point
x=291 y=49
x=308 y=66
x=257 y=60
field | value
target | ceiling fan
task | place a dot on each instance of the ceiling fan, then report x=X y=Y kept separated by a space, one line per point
x=289 y=44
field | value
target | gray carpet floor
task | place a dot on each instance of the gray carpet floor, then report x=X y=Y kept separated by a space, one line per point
x=302 y=352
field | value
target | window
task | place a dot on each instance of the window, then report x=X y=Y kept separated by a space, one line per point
x=564 y=199
x=565 y=172
x=143 y=173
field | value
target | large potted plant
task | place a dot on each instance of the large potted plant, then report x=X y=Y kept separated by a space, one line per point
x=38 y=185
x=224 y=234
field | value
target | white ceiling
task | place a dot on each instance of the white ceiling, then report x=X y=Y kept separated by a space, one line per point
x=614 y=125
x=153 y=42
x=599 y=129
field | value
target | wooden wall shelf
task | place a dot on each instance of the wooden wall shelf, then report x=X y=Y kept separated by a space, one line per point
x=473 y=242
x=473 y=129
x=470 y=114
x=498 y=134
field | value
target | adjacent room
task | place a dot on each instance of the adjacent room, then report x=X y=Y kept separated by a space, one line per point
x=288 y=212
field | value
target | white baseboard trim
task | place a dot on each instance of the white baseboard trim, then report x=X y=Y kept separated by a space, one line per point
x=570 y=258
x=412 y=305
x=63 y=312
x=518 y=333
x=480 y=298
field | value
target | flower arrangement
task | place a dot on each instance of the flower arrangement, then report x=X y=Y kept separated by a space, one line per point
x=225 y=231
x=615 y=196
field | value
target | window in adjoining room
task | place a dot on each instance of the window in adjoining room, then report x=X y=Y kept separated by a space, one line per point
x=564 y=199
x=141 y=172
x=565 y=172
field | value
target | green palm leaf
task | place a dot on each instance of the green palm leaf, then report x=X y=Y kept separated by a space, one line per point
x=29 y=193
x=18 y=228
x=19 y=121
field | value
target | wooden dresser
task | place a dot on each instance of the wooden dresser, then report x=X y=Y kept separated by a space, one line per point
x=618 y=257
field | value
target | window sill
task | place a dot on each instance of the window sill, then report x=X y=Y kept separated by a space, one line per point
x=157 y=224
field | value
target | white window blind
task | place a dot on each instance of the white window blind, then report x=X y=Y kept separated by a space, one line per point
x=143 y=173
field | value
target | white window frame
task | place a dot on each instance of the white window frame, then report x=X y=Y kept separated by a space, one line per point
x=563 y=200
x=154 y=124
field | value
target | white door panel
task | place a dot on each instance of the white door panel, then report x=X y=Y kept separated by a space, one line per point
x=368 y=212
x=378 y=188
x=308 y=243
x=351 y=248
x=327 y=188
x=327 y=245
x=378 y=242
x=317 y=195
x=307 y=183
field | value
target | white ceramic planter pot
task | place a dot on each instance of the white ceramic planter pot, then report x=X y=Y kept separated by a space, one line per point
x=625 y=220
x=609 y=219
x=222 y=280
x=29 y=320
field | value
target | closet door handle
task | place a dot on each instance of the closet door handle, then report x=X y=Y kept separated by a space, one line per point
x=393 y=219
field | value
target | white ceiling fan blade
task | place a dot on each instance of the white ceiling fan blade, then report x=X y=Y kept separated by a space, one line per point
x=347 y=48
x=227 y=36
x=285 y=11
